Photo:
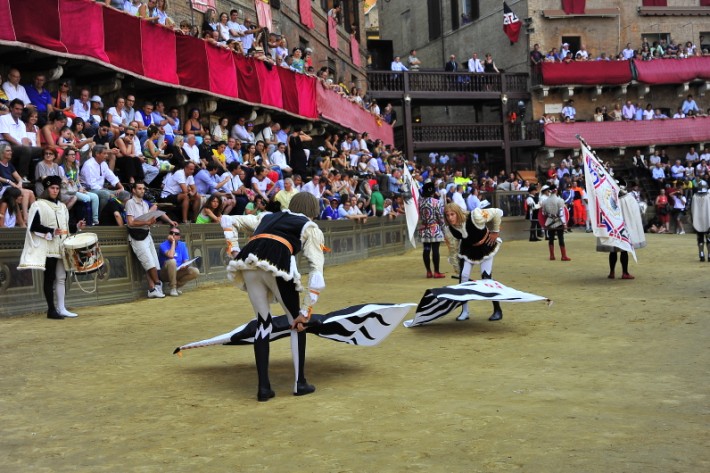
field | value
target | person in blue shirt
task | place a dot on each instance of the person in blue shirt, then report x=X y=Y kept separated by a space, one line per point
x=331 y=211
x=40 y=98
x=173 y=253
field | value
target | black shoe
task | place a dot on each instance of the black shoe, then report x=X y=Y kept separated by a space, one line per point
x=53 y=314
x=304 y=388
x=535 y=239
x=264 y=395
x=497 y=315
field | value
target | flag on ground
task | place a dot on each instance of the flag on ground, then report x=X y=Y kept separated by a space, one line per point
x=440 y=301
x=511 y=24
x=603 y=202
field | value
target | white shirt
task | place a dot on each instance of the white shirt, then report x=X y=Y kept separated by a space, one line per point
x=93 y=175
x=312 y=189
x=279 y=159
x=444 y=159
x=15 y=92
x=432 y=157
x=130 y=8
x=262 y=185
x=235 y=27
x=457 y=199
x=116 y=118
x=192 y=152
x=233 y=184
x=172 y=185
x=474 y=65
x=628 y=53
x=16 y=129
x=473 y=202
x=648 y=114
x=398 y=66
x=266 y=135
x=80 y=111
x=240 y=133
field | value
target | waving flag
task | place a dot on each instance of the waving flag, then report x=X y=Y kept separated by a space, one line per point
x=511 y=24
x=410 y=194
x=263 y=13
x=603 y=194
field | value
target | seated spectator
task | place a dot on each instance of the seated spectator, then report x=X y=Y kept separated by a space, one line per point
x=211 y=211
x=220 y=131
x=114 y=213
x=679 y=113
x=149 y=11
x=72 y=185
x=193 y=126
x=30 y=118
x=96 y=176
x=48 y=167
x=659 y=115
x=12 y=88
x=13 y=132
x=117 y=116
x=40 y=97
x=161 y=11
x=262 y=185
x=330 y=212
x=179 y=189
x=131 y=7
x=256 y=207
x=10 y=208
x=284 y=196
x=206 y=155
x=239 y=131
x=96 y=111
x=172 y=255
x=191 y=149
x=129 y=160
x=163 y=121
x=82 y=109
x=234 y=188
x=218 y=156
x=9 y=178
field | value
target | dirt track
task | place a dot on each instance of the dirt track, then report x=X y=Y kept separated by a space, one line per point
x=614 y=377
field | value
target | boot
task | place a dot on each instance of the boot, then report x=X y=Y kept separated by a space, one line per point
x=701 y=253
x=564 y=254
x=533 y=237
x=261 y=355
x=303 y=388
x=464 y=313
x=552 y=252
x=497 y=312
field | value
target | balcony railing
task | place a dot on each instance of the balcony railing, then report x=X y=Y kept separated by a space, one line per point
x=510 y=202
x=525 y=131
x=464 y=82
x=458 y=133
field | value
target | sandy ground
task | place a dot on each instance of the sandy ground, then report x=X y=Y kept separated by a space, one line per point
x=611 y=378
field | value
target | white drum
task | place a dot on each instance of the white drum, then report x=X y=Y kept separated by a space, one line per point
x=82 y=253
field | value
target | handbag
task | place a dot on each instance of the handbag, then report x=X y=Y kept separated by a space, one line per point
x=69 y=187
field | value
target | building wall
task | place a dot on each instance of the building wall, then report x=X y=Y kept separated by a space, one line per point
x=286 y=21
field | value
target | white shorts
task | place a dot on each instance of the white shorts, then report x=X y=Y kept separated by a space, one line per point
x=145 y=252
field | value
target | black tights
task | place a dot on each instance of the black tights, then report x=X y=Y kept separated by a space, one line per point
x=624 y=261
x=433 y=249
x=50 y=275
x=560 y=232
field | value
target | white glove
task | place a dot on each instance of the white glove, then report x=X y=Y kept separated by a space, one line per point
x=310 y=298
x=226 y=222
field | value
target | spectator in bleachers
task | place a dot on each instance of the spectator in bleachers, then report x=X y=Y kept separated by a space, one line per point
x=297 y=152
x=62 y=101
x=268 y=135
x=148 y=11
x=82 y=109
x=211 y=212
x=10 y=212
x=96 y=111
x=10 y=178
x=161 y=11
x=179 y=189
x=569 y=113
x=14 y=132
x=81 y=142
x=193 y=126
x=52 y=131
x=163 y=121
x=220 y=131
x=628 y=111
x=131 y=6
x=70 y=171
x=117 y=116
x=96 y=175
x=13 y=89
x=30 y=118
x=205 y=151
x=191 y=149
x=628 y=52
x=40 y=97
x=689 y=106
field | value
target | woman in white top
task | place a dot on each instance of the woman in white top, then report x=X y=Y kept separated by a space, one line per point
x=117 y=116
x=30 y=116
x=10 y=214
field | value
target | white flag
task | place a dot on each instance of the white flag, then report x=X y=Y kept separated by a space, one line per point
x=603 y=193
x=410 y=187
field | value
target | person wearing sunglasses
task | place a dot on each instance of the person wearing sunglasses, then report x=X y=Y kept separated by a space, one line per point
x=173 y=253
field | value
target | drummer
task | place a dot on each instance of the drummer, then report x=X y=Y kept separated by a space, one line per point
x=48 y=228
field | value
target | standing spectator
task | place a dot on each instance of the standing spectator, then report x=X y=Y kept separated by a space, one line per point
x=297 y=153
x=173 y=253
x=141 y=240
x=536 y=57
x=689 y=106
x=628 y=111
x=568 y=111
x=678 y=211
x=451 y=65
x=413 y=60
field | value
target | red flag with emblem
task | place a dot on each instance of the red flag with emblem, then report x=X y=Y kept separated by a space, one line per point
x=511 y=24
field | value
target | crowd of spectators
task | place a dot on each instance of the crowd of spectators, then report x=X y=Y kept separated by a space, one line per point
x=648 y=51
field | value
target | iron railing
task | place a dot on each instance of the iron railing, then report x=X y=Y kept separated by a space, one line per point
x=459 y=132
x=422 y=81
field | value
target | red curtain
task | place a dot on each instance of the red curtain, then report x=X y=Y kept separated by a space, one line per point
x=673 y=71
x=269 y=84
x=29 y=28
x=705 y=3
x=7 y=30
x=288 y=90
x=89 y=38
x=655 y=3
x=192 y=68
x=247 y=79
x=628 y=134
x=122 y=41
x=575 y=7
x=355 y=50
x=159 y=53
x=263 y=13
x=223 y=75
x=333 y=33
x=586 y=72
x=304 y=10
x=307 y=100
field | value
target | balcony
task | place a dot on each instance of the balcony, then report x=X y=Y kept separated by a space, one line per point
x=445 y=85
x=475 y=135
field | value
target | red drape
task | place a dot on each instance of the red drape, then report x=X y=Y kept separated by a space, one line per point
x=269 y=84
x=7 y=30
x=122 y=40
x=628 y=134
x=159 y=53
x=573 y=6
x=223 y=76
x=332 y=33
x=307 y=100
x=586 y=72
x=673 y=71
x=263 y=13
x=192 y=68
x=655 y=3
x=87 y=39
x=44 y=31
x=288 y=90
x=247 y=79
x=355 y=50
x=304 y=10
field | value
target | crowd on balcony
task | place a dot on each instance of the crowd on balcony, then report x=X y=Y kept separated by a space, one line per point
x=629 y=111
x=647 y=51
x=99 y=150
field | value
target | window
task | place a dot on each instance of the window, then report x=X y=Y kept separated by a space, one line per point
x=470 y=11
x=574 y=43
x=434 y=8
x=302 y=43
x=455 y=20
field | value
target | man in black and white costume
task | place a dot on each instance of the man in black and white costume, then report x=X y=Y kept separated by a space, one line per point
x=266 y=269
x=700 y=211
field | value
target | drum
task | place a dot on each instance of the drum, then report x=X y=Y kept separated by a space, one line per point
x=82 y=253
